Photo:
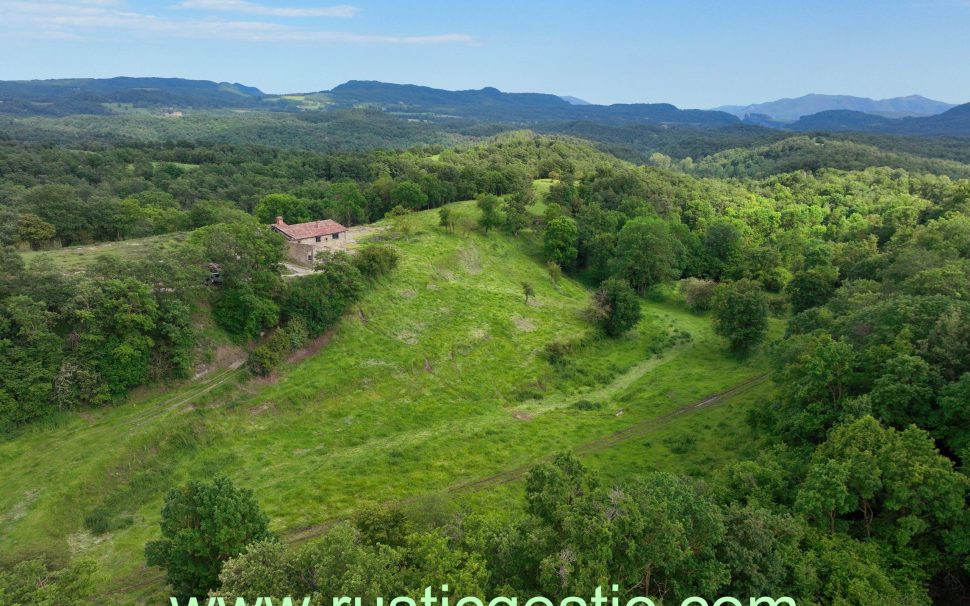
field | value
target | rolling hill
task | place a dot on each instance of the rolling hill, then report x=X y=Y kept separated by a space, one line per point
x=435 y=387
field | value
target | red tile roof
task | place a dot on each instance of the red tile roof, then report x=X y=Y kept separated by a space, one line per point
x=313 y=229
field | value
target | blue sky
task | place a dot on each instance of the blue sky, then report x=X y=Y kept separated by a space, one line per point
x=692 y=53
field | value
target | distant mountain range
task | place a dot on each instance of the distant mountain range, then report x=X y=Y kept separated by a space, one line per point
x=114 y=95
x=812 y=113
x=110 y=95
x=790 y=110
x=954 y=122
x=492 y=105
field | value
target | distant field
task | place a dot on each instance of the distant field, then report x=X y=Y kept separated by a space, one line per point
x=434 y=388
x=76 y=258
x=542 y=187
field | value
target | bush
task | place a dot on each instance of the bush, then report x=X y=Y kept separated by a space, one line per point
x=100 y=521
x=297 y=333
x=266 y=358
x=557 y=353
x=376 y=260
x=616 y=307
x=321 y=298
x=698 y=294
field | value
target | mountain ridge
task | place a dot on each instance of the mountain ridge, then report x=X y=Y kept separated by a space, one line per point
x=790 y=109
x=486 y=106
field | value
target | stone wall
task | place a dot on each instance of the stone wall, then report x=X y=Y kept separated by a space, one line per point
x=301 y=254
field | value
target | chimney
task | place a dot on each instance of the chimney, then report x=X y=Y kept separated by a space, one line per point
x=279 y=222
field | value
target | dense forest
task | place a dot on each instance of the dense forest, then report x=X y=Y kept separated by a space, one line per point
x=859 y=495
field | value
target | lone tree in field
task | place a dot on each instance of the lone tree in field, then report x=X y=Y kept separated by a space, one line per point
x=203 y=525
x=446 y=219
x=616 y=307
x=555 y=272
x=528 y=291
x=741 y=314
x=488 y=204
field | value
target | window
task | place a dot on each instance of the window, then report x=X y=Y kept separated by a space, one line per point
x=335 y=236
x=318 y=238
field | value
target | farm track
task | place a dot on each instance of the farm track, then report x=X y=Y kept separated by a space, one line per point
x=148 y=577
x=166 y=405
x=637 y=430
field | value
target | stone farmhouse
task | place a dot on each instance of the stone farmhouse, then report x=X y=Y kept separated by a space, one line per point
x=304 y=240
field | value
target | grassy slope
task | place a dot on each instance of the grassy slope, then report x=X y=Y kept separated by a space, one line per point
x=76 y=258
x=435 y=384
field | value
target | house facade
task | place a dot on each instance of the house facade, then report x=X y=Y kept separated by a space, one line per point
x=304 y=240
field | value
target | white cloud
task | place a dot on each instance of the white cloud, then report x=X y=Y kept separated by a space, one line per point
x=66 y=20
x=242 y=6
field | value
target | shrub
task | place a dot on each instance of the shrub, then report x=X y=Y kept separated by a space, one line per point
x=269 y=356
x=698 y=294
x=297 y=332
x=557 y=352
x=321 y=298
x=555 y=272
x=616 y=307
x=376 y=260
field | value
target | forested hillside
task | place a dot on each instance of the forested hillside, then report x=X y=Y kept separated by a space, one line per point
x=756 y=386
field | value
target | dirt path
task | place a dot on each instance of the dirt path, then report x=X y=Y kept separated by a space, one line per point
x=637 y=430
x=148 y=577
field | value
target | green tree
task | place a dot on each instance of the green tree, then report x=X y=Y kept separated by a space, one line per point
x=892 y=485
x=490 y=218
x=560 y=242
x=555 y=272
x=516 y=215
x=666 y=532
x=247 y=258
x=446 y=219
x=203 y=525
x=723 y=243
x=616 y=307
x=376 y=260
x=35 y=582
x=647 y=253
x=573 y=547
x=292 y=209
x=319 y=299
x=409 y=195
x=528 y=291
x=698 y=293
x=741 y=314
x=812 y=287
x=33 y=230
x=818 y=379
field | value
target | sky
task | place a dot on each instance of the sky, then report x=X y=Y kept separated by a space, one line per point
x=692 y=53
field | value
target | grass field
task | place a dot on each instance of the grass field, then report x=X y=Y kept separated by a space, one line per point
x=76 y=258
x=435 y=385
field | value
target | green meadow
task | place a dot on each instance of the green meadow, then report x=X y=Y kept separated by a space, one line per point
x=76 y=258
x=434 y=389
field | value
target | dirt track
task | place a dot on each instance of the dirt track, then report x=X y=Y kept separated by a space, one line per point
x=148 y=576
x=512 y=474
